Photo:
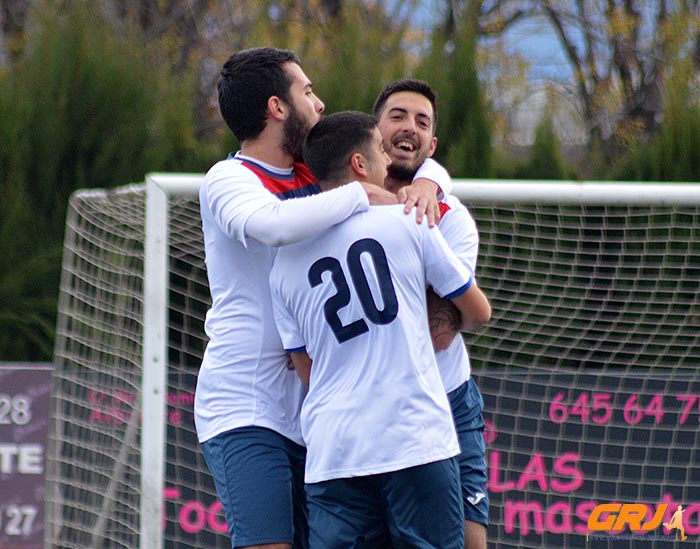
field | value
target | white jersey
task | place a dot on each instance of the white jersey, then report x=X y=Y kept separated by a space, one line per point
x=355 y=299
x=430 y=169
x=244 y=379
x=459 y=230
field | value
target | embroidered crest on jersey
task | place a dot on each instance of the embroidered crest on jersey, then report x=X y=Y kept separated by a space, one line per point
x=298 y=183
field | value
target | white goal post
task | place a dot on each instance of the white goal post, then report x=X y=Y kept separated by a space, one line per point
x=595 y=337
x=159 y=190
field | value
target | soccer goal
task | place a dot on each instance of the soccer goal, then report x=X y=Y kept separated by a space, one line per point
x=588 y=368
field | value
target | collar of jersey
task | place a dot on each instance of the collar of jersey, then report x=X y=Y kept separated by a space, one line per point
x=282 y=173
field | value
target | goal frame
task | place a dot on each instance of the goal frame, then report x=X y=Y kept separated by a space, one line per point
x=160 y=187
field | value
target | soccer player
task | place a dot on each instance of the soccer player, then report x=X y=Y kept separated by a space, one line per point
x=406 y=112
x=247 y=401
x=376 y=421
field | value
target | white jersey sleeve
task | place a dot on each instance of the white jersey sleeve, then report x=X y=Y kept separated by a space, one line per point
x=292 y=339
x=242 y=207
x=230 y=194
x=442 y=266
x=430 y=169
x=285 y=222
x=459 y=230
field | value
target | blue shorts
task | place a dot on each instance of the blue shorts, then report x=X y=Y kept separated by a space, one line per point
x=417 y=507
x=259 y=478
x=467 y=404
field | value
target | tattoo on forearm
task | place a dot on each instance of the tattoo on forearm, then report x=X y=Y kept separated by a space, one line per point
x=444 y=319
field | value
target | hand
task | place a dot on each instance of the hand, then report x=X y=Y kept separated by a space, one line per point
x=422 y=194
x=378 y=196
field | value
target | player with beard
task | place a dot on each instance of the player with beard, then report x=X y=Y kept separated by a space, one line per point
x=247 y=401
x=406 y=113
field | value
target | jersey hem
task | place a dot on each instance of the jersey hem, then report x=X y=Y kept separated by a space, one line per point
x=276 y=427
x=384 y=468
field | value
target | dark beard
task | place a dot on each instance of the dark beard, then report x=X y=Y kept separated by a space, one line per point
x=401 y=172
x=295 y=130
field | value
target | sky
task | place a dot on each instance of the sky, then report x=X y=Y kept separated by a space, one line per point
x=533 y=38
x=537 y=42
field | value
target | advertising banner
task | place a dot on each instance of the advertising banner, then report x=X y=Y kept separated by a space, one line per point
x=25 y=402
x=577 y=458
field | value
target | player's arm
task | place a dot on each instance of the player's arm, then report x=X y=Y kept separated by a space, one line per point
x=444 y=320
x=243 y=209
x=287 y=325
x=473 y=306
x=430 y=183
x=378 y=196
x=302 y=364
x=283 y=222
x=452 y=280
x=459 y=231
x=280 y=223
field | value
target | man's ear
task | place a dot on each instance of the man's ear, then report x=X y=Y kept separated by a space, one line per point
x=433 y=146
x=358 y=164
x=276 y=108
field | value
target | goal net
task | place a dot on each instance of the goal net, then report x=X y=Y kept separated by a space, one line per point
x=588 y=368
x=122 y=448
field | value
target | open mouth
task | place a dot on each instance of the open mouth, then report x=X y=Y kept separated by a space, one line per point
x=405 y=145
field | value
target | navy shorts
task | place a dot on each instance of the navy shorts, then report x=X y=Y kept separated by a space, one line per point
x=417 y=507
x=259 y=478
x=467 y=405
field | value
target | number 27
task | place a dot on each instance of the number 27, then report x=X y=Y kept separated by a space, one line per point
x=20 y=519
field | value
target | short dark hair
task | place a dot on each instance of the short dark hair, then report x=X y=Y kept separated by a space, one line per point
x=407 y=85
x=331 y=142
x=248 y=79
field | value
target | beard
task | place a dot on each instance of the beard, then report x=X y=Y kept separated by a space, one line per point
x=294 y=133
x=403 y=173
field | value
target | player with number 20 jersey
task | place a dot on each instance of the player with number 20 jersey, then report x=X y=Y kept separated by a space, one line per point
x=357 y=306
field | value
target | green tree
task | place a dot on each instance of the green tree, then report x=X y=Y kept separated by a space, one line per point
x=546 y=160
x=619 y=51
x=83 y=107
x=353 y=50
x=464 y=132
x=674 y=153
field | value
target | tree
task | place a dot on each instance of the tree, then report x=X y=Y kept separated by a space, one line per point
x=464 y=131
x=618 y=51
x=82 y=107
x=546 y=160
x=673 y=154
x=363 y=48
x=13 y=15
